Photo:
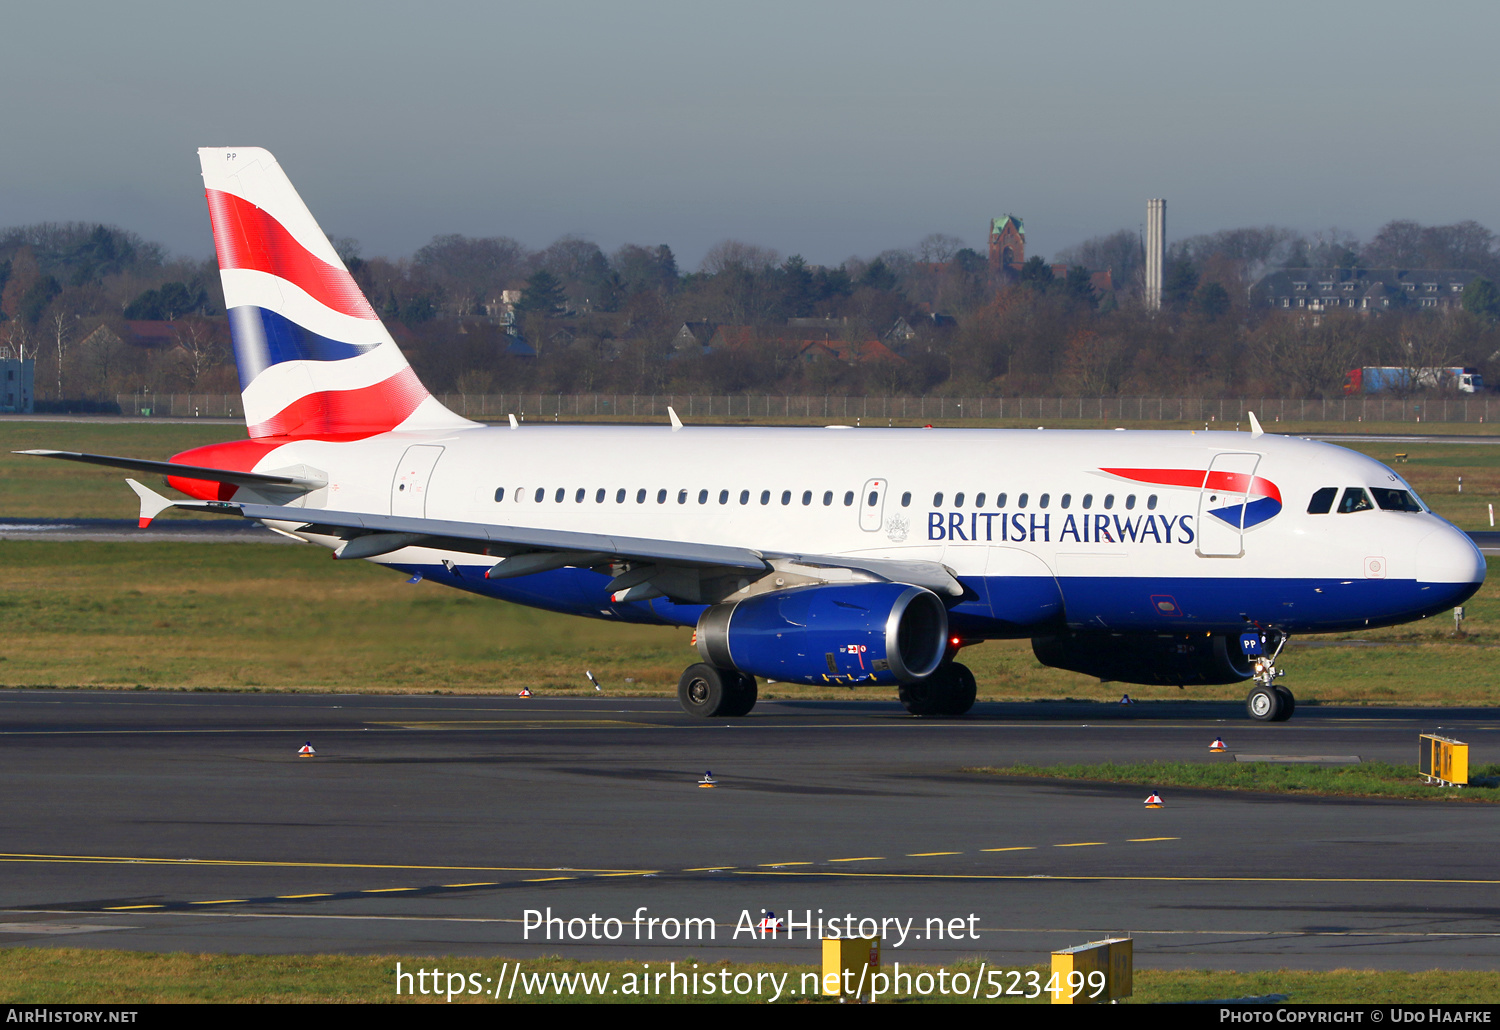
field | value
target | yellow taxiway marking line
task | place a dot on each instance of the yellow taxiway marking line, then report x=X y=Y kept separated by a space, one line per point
x=773 y=865
x=127 y=860
x=548 y=879
x=931 y=854
x=1129 y=879
x=126 y=908
x=444 y=724
x=283 y=897
x=1025 y=847
x=604 y=876
x=221 y=901
x=867 y=858
x=387 y=890
x=1144 y=840
x=712 y=869
x=489 y=884
x=1081 y=844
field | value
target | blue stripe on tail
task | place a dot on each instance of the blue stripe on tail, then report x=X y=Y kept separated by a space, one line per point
x=263 y=338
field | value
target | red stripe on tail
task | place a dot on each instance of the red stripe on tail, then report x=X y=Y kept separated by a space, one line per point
x=247 y=237
x=348 y=413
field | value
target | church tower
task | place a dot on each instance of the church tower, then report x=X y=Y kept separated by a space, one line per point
x=1007 y=245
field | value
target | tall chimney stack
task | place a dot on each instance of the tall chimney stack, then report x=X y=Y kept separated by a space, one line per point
x=1156 y=250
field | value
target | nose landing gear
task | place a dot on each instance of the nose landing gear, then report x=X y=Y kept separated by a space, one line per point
x=1267 y=701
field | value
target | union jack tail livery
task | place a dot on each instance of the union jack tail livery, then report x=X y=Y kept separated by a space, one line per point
x=314 y=359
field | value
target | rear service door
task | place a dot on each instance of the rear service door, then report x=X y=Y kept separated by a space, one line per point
x=1221 y=505
x=872 y=505
x=409 y=489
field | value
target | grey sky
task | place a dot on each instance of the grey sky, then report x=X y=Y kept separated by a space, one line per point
x=828 y=129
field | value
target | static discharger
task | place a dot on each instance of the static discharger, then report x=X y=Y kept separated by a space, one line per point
x=1155 y=801
x=595 y=682
x=306 y=750
x=525 y=692
x=1218 y=745
x=708 y=780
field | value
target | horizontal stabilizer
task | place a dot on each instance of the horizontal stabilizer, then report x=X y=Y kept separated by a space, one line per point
x=168 y=468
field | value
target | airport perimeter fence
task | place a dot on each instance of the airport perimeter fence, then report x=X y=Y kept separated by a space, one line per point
x=848 y=410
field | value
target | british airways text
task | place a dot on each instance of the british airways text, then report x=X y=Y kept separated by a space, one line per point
x=1024 y=527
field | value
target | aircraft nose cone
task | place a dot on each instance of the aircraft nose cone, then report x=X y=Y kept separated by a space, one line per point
x=1447 y=555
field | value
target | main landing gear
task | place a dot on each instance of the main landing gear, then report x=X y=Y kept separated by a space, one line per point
x=1267 y=700
x=709 y=692
x=950 y=691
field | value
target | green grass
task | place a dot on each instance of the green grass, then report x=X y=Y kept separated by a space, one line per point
x=70 y=976
x=1222 y=772
x=265 y=617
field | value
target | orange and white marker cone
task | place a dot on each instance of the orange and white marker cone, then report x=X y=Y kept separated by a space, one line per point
x=525 y=692
x=708 y=780
x=306 y=750
x=1154 y=801
x=1218 y=745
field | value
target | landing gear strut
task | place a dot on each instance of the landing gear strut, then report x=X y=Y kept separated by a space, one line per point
x=1267 y=700
x=950 y=691
x=709 y=692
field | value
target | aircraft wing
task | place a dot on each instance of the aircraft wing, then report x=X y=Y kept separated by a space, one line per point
x=679 y=569
x=482 y=538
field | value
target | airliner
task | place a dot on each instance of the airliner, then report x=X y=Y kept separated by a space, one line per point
x=834 y=555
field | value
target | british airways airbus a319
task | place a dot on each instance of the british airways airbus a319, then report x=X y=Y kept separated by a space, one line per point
x=860 y=557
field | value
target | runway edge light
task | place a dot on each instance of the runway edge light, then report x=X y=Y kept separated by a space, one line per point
x=306 y=750
x=525 y=692
x=1218 y=745
x=708 y=780
x=1155 y=801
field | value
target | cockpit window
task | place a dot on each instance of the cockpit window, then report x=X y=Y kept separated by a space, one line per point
x=1322 y=501
x=1355 y=499
x=1395 y=500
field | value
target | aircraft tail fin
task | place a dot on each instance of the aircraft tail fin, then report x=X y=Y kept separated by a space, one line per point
x=314 y=359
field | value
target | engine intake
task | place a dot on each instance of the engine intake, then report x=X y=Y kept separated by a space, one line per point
x=859 y=633
x=1156 y=659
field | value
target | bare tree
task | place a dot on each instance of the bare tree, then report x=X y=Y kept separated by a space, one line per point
x=735 y=255
x=200 y=345
x=938 y=248
x=63 y=323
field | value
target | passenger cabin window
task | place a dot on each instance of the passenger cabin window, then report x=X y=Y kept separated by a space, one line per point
x=827 y=498
x=499 y=494
x=786 y=497
x=1322 y=501
x=999 y=500
x=640 y=496
x=1129 y=502
x=1021 y=501
x=541 y=494
x=1067 y=499
x=937 y=499
x=1088 y=501
x=765 y=497
x=661 y=496
x=1395 y=500
x=1355 y=499
x=599 y=496
x=1109 y=501
x=561 y=493
x=979 y=500
x=1151 y=503
x=806 y=497
x=958 y=500
x=702 y=496
x=1042 y=501
x=849 y=498
x=873 y=499
x=681 y=496
x=744 y=496
x=578 y=497
x=723 y=496
x=906 y=499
